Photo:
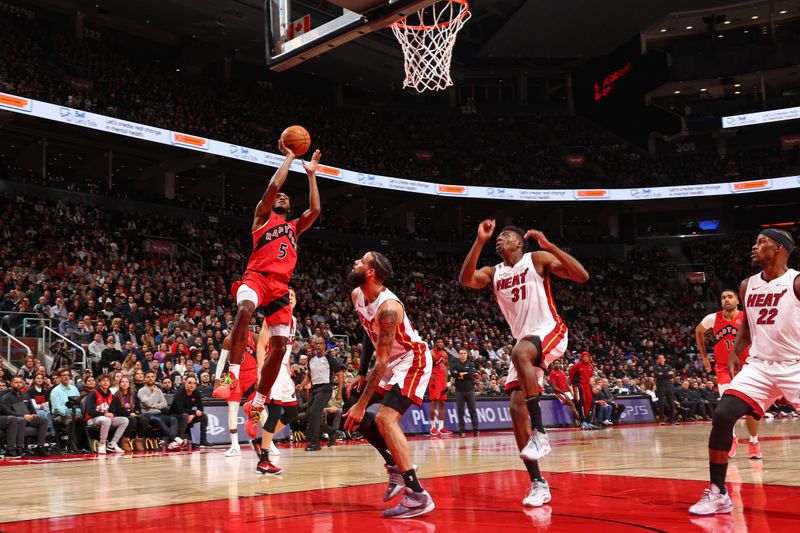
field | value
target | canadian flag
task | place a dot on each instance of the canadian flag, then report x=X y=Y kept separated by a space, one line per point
x=299 y=27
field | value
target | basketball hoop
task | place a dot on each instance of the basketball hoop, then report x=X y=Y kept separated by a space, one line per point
x=427 y=38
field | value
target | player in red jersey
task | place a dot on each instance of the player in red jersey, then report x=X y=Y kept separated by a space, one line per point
x=265 y=283
x=248 y=378
x=558 y=382
x=725 y=325
x=580 y=374
x=437 y=389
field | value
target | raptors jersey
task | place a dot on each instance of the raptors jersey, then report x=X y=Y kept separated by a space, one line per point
x=439 y=362
x=406 y=339
x=526 y=301
x=724 y=332
x=773 y=315
x=274 y=248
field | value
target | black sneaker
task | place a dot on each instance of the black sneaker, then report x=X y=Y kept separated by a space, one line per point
x=313 y=447
x=41 y=451
x=13 y=453
x=475 y=432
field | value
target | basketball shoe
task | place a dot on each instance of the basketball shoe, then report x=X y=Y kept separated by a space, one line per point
x=754 y=450
x=227 y=386
x=435 y=432
x=538 y=495
x=538 y=446
x=712 y=502
x=253 y=421
x=734 y=444
x=444 y=432
x=265 y=466
x=396 y=482
x=414 y=504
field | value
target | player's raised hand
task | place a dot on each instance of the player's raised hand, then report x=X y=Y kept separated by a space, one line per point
x=486 y=229
x=311 y=166
x=544 y=244
x=354 y=415
x=357 y=384
x=284 y=149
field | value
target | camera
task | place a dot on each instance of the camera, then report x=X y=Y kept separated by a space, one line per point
x=73 y=402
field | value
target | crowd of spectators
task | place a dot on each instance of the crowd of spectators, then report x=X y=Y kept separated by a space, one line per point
x=108 y=76
x=159 y=321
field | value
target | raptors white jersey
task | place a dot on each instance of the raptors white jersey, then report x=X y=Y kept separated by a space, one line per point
x=526 y=301
x=773 y=315
x=406 y=339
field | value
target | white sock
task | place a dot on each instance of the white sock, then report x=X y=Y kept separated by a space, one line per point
x=441 y=424
x=234 y=370
x=754 y=439
x=435 y=423
x=259 y=400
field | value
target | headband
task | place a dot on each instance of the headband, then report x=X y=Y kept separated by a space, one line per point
x=780 y=237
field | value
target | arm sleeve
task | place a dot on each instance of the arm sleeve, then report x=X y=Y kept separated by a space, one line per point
x=366 y=354
x=708 y=321
x=223 y=357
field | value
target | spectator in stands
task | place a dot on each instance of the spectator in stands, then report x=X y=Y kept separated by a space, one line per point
x=17 y=403
x=94 y=353
x=149 y=339
x=28 y=370
x=66 y=413
x=88 y=385
x=130 y=350
x=188 y=408
x=692 y=407
x=205 y=387
x=111 y=354
x=128 y=406
x=138 y=379
x=100 y=407
x=40 y=397
x=58 y=312
x=63 y=356
x=154 y=405
x=69 y=326
x=665 y=391
x=167 y=386
x=13 y=427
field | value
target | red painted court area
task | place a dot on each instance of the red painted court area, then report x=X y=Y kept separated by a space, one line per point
x=476 y=502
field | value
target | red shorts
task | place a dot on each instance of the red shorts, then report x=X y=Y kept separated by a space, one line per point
x=247 y=381
x=437 y=388
x=272 y=293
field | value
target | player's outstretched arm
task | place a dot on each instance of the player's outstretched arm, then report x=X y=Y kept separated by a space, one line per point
x=469 y=277
x=310 y=215
x=742 y=341
x=556 y=260
x=389 y=315
x=275 y=184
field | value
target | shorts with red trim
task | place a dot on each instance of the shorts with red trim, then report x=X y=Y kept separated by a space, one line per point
x=761 y=382
x=272 y=292
x=437 y=388
x=411 y=373
x=283 y=390
x=247 y=385
x=550 y=353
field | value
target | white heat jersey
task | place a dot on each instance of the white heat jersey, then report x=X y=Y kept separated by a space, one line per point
x=773 y=315
x=526 y=301
x=406 y=339
x=290 y=342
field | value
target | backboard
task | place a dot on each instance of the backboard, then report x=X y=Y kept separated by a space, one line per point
x=285 y=49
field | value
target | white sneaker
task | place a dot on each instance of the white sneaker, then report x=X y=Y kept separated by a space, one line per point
x=233 y=451
x=538 y=446
x=769 y=416
x=101 y=449
x=273 y=450
x=175 y=444
x=712 y=502
x=538 y=495
x=607 y=422
x=113 y=447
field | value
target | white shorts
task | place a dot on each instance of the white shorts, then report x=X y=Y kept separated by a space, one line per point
x=411 y=373
x=512 y=381
x=722 y=388
x=283 y=390
x=761 y=382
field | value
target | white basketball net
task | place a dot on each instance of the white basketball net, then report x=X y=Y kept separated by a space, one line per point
x=427 y=38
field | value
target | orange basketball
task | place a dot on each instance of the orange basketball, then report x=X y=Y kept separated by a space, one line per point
x=296 y=139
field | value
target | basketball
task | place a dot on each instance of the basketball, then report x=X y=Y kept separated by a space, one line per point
x=296 y=139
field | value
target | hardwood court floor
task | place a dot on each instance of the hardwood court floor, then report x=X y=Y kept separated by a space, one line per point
x=639 y=478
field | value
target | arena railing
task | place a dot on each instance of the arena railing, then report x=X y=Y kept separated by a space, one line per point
x=13 y=340
x=47 y=340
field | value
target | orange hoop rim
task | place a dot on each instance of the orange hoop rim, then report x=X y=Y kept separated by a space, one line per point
x=402 y=25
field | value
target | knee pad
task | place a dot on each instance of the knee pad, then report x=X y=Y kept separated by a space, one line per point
x=274 y=414
x=729 y=410
x=289 y=414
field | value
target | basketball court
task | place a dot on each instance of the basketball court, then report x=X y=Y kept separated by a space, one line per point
x=636 y=478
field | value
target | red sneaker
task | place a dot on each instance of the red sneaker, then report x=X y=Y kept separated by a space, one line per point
x=253 y=421
x=266 y=467
x=434 y=431
x=732 y=451
x=755 y=450
x=226 y=388
x=444 y=432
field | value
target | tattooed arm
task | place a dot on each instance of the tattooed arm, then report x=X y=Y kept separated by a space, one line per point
x=389 y=315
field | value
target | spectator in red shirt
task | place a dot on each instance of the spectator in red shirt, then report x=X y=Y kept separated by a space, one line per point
x=558 y=382
x=580 y=375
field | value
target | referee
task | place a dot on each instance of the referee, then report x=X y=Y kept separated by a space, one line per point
x=323 y=369
x=464 y=370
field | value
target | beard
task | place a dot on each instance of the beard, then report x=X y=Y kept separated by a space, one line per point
x=281 y=210
x=356 y=279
